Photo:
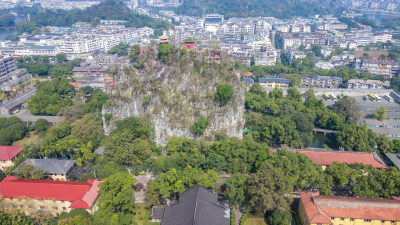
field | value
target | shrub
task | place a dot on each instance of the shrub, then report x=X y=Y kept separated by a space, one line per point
x=224 y=93
x=243 y=219
x=108 y=117
x=41 y=125
x=200 y=125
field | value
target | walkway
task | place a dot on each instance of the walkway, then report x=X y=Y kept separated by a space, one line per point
x=325 y=131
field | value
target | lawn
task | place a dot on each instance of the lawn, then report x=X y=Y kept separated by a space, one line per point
x=255 y=221
x=33 y=139
x=142 y=215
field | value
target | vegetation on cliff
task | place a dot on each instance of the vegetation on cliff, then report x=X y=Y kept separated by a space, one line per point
x=175 y=88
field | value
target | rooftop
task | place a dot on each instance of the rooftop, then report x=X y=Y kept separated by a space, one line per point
x=196 y=206
x=394 y=158
x=320 y=209
x=9 y=152
x=327 y=157
x=52 y=166
x=262 y=80
x=80 y=194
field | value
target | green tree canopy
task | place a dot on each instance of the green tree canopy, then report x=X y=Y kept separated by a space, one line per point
x=224 y=93
x=116 y=194
x=269 y=189
x=380 y=113
x=236 y=187
x=200 y=125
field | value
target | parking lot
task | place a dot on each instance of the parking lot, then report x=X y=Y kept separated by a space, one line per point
x=389 y=127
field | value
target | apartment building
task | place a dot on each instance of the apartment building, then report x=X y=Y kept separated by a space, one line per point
x=10 y=76
x=7 y=66
x=37 y=197
x=384 y=67
x=316 y=209
x=367 y=84
x=8 y=154
x=273 y=82
x=321 y=81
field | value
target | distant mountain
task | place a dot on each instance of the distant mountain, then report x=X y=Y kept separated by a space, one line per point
x=253 y=8
x=107 y=9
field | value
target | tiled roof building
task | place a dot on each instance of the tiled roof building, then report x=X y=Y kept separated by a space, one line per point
x=335 y=210
x=47 y=196
x=196 y=206
x=56 y=168
x=327 y=157
x=8 y=154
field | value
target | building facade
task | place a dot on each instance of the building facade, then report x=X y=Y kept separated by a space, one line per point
x=315 y=209
x=37 y=197
x=367 y=84
x=273 y=82
x=384 y=67
x=8 y=154
x=321 y=81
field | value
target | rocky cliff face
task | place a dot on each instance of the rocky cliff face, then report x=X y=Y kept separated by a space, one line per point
x=176 y=93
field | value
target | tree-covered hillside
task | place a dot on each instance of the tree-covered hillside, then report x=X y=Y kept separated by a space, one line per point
x=107 y=9
x=251 y=8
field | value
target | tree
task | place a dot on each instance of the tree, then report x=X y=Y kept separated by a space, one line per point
x=294 y=80
x=294 y=94
x=174 y=144
x=41 y=125
x=356 y=137
x=200 y=125
x=380 y=113
x=236 y=187
x=163 y=51
x=17 y=219
x=116 y=194
x=300 y=170
x=349 y=108
x=177 y=181
x=277 y=218
x=26 y=171
x=138 y=127
x=61 y=57
x=39 y=69
x=125 y=150
x=77 y=220
x=383 y=143
x=269 y=189
x=224 y=93
x=134 y=53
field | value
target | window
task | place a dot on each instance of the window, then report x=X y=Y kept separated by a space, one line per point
x=64 y=208
x=391 y=222
x=351 y=219
x=367 y=221
x=332 y=218
x=341 y=219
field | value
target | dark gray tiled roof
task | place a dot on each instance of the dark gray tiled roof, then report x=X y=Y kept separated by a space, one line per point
x=157 y=212
x=52 y=166
x=197 y=206
x=394 y=158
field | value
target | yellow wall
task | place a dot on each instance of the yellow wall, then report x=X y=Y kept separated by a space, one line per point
x=346 y=221
x=273 y=84
x=5 y=163
x=33 y=207
x=61 y=177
